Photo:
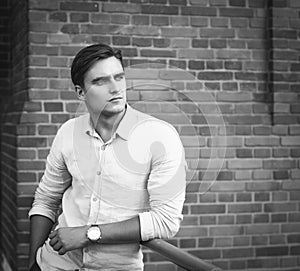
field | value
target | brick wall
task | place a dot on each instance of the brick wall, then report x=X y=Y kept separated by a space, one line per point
x=4 y=65
x=12 y=107
x=242 y=54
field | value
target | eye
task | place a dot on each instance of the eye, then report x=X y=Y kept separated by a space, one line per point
x=120 y=77
x=100 y=82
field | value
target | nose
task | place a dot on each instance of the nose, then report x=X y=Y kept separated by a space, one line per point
x=113 y=86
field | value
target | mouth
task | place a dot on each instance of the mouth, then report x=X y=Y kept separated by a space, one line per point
x=115 y=98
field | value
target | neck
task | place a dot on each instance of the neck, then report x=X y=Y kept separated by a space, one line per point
x=106 y=125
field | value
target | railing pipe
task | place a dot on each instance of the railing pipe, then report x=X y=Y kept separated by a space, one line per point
x=181 y=258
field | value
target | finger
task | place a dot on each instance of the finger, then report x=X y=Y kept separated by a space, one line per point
x=52 y=234
x=62 y=251
x=53 y=241
x=57 y=246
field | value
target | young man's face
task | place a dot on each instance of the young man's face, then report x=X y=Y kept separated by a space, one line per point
x=105 y=87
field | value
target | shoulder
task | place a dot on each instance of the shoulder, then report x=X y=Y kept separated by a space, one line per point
x=72 y=124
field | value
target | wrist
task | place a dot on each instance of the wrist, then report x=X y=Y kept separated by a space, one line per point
x=94 y=234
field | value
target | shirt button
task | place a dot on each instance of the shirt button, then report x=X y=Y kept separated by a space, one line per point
x=103 y=147
x=98 y=172
x=95 y=199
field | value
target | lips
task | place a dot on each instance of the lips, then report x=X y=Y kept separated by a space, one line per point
x=116 y=98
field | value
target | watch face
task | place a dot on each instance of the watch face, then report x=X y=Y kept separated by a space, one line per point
x=94 y=233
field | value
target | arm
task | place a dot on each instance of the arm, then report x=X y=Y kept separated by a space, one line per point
x=48 y=195
x=41 y=227
x=166 y=187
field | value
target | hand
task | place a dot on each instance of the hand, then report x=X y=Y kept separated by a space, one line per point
x=66 y=239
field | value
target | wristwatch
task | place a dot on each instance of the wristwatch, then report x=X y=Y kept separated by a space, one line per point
x=94 y=233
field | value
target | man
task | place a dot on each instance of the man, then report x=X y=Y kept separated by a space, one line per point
x=118 y=174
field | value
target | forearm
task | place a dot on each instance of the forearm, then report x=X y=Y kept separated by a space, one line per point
x=127 y=231
x=40 y=227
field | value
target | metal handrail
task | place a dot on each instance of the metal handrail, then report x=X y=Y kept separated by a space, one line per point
x=179 y=257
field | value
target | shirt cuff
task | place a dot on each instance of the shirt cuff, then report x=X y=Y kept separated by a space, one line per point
x=146 y=225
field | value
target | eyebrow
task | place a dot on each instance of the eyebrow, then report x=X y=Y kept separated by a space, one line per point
x=105 y=78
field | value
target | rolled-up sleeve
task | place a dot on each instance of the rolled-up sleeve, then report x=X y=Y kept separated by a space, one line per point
x=55 y=181
x=166 y=188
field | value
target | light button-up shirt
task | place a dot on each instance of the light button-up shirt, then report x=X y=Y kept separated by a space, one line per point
x=139 y=171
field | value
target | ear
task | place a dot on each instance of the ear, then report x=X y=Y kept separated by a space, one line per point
x=80 y=93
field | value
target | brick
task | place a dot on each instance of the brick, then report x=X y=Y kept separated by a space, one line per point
x=79 y=6
x=177 y=64
x=70 y=29
x=243 y=197
x=281 y=175
x=192 y=232
x=53 y=107
x=43 y=5
x=47 y=28
x=43 y=50
x=279 y=164
x=262 y=196
x=161 y=43
x=42 y=72
x=195 y=54
x=120 y=19
x=37 y=16
x=178 y=32
x=157 y=53
x=198 y=21
x=79 y=17
x=290 y=141
x=174 y=75
x=244 y=208
x=271 y=251
x=262 y=186
x=199 y=11
x=37 y=61
x=160 y=20
x=226 y=230
x=32 y=142
x=180 y=43
x=244 y=164
x=236 y=12
x=120 y=40
x=39 y=38
x=140 y=20
x=243 y=219
x=159 y=9
x=58 y=17
x=260 y=218
x=225 y=197
x=233 y=54
x=262 y=141
x=205 y=242
x=187 y=243
x=215 y=75
x=208 y=209
x=228 y=186
x=238 y=252
x=47 y=129
x=59 y=39
x=139 y=30
x=208 y=220
x=30 y=165
x=206 y=254
x=279 y=207
x=291 y=228
x=217 y=33
x=34 y=118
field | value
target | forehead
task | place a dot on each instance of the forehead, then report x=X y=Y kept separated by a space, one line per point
x=105 y=67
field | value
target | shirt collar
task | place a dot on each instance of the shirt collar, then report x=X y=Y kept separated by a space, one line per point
x=126 y=124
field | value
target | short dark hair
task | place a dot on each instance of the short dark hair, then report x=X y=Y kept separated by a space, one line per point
x=87 y=57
